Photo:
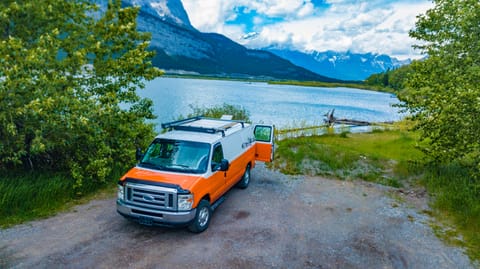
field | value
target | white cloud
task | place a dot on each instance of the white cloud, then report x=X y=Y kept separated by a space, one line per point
x=288 y=8
x=367 y=26
x=305 y=10
x=205 y=15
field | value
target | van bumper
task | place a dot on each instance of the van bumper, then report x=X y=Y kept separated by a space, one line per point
x=155 y=217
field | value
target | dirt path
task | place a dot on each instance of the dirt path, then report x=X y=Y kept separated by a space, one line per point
x=278 y=222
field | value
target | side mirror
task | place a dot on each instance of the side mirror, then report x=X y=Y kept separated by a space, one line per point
x=138 y=154
x=224 y=165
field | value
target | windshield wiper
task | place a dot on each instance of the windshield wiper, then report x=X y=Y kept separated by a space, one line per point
x=180 y=165
x=181 y=168
x=171 y=167
x=150 y=165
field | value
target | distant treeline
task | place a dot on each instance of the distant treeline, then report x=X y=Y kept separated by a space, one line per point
x=392 y=80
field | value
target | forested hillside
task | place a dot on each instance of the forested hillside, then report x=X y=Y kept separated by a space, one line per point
x=392 y=80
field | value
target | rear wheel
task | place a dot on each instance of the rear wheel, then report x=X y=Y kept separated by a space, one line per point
x=202 y=217
x=243 y=183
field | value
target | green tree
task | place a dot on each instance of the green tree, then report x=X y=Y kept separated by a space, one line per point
x=444 y=90
x=394 y=79
x=68 y=79
x=398 y=77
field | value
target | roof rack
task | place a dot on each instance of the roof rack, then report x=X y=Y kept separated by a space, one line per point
x=178 y=122
x=180 y=125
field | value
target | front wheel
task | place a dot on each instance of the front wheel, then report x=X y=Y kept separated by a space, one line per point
x=202 y=217
x=243 y=183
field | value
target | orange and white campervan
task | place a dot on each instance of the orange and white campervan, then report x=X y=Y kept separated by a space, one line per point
x=185 y=172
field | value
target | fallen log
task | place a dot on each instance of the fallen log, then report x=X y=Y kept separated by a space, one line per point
x=330 y=120
x=353 y=122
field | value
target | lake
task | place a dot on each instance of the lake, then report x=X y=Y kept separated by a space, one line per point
x=282 y=105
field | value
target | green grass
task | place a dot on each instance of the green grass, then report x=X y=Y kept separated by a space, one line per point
x=369 y=156
x=29 y=196
x=457 y=198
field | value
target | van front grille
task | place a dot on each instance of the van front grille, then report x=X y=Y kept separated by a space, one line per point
x=150 y=196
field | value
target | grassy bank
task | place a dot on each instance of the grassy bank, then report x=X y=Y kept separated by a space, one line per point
x=392 y=158
x=346 y=84
x=356 y=85
x=386 y=157
x=28 y=196
x=457 y=200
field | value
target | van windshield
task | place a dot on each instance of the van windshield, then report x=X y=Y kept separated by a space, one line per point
x=179 y=156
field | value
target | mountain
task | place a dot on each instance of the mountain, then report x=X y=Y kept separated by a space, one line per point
x=341 y=65
x=183 y=49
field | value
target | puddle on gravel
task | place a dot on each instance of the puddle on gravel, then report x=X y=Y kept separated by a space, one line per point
x=241 y=215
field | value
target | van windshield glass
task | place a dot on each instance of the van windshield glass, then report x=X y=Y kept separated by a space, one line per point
x=180 y=156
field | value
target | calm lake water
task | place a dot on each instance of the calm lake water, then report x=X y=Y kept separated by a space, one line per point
x=282 y=105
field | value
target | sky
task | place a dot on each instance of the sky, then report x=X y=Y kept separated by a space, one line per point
x=377 y=26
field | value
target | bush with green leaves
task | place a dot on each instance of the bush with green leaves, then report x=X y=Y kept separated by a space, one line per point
x=68 y=80
x=237 y=112
x=443 y=92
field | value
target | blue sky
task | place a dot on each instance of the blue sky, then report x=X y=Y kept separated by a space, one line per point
x=378 y=26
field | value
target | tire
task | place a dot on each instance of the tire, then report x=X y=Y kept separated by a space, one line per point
x=243 y=183
x=202 y=217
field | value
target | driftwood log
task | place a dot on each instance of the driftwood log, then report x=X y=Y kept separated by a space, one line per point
x=330 y=120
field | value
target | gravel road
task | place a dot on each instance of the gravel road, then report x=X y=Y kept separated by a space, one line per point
x=278 y=222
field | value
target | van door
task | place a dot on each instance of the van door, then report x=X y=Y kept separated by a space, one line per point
x=217 y=179
x=264 y=136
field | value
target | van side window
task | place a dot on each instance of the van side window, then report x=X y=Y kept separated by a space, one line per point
x=217 y=156
x=263 y=133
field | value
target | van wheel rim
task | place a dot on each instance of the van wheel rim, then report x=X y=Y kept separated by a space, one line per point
x=247 y=177
x=203 y=216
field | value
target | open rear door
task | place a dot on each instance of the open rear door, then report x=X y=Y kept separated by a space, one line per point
x=264 y=142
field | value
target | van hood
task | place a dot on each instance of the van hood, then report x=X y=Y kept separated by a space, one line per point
x=185 y=181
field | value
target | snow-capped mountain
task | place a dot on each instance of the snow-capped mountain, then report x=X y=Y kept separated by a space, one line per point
x=183 y=49
x=171 y=10
x=341 y=65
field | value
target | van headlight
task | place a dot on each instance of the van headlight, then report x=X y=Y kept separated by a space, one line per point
x=185 y=202
x=120 y=192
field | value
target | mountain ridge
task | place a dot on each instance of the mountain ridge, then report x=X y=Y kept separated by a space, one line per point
x=341 y=65
x=183 y=49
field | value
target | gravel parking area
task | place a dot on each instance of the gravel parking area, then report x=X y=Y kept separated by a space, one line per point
x=279 y=221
